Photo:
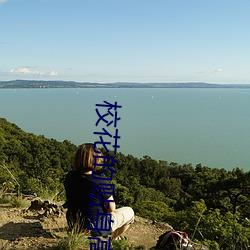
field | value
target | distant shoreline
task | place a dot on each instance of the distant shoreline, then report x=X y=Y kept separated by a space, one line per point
x=21 y=84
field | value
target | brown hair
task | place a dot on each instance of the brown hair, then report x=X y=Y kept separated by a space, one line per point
x=84 y=158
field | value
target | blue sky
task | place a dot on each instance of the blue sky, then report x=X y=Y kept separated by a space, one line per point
x=125 y=40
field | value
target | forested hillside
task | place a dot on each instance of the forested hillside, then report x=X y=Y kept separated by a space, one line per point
x=212 y=205
x=38 y=163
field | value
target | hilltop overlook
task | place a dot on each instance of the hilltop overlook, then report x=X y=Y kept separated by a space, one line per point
x=30 y=229
x=211 y=205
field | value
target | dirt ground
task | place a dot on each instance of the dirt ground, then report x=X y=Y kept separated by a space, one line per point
x=25 y=229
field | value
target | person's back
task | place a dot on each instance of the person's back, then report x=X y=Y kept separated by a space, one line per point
x=77 y=192
x=89 y=202
x=83 y=198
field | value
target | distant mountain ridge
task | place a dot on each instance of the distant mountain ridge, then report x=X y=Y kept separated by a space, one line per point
x=72 y=84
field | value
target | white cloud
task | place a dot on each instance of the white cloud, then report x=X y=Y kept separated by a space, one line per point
x=53 y=73
x=2 y=1
x=22 y=71
x=31 y=71
x=211 y=72
x=218 y=70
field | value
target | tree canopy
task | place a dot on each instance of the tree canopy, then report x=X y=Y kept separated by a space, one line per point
x=211 y=204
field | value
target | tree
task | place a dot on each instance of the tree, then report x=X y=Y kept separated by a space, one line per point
x=237 y=189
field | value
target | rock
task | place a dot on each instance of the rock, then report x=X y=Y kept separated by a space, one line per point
x=47 y=207
x=36 y=205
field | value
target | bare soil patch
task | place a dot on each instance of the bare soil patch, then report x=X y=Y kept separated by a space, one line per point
x=26 y=229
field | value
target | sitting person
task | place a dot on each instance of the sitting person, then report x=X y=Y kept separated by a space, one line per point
x=87 y=198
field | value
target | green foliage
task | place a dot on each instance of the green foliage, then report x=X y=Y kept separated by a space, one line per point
x=216 y=230
x=74 y=241
x=141 y=193
x=37 y=162
x=153 y=210
x=5 y=200
x=227 y=230
x=122 y=195
x=212 y=244
x=18 y=202
x=212 y=205
x=8 y=186
x=120 y=245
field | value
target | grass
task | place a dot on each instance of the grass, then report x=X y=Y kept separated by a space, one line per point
x=51 y=195
x=5 y=200
x=19 y=202
x=74 y=240
x=14 y=201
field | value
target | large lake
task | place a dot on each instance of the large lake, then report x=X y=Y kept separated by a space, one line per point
x=207 y=126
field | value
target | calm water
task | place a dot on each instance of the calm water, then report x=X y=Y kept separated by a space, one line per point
x=207 y=126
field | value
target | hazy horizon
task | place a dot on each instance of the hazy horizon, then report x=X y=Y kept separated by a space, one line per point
x=125 y=82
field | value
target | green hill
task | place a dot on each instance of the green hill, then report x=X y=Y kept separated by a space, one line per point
x=17 y=84
x=38 y=163
x=211 y=204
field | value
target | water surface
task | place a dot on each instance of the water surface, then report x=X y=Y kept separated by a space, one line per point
x=207 y=126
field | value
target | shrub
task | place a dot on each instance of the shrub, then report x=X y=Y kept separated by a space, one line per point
x=18 y=202
x=152 y=210
x=5 y=200
x=74 y=241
